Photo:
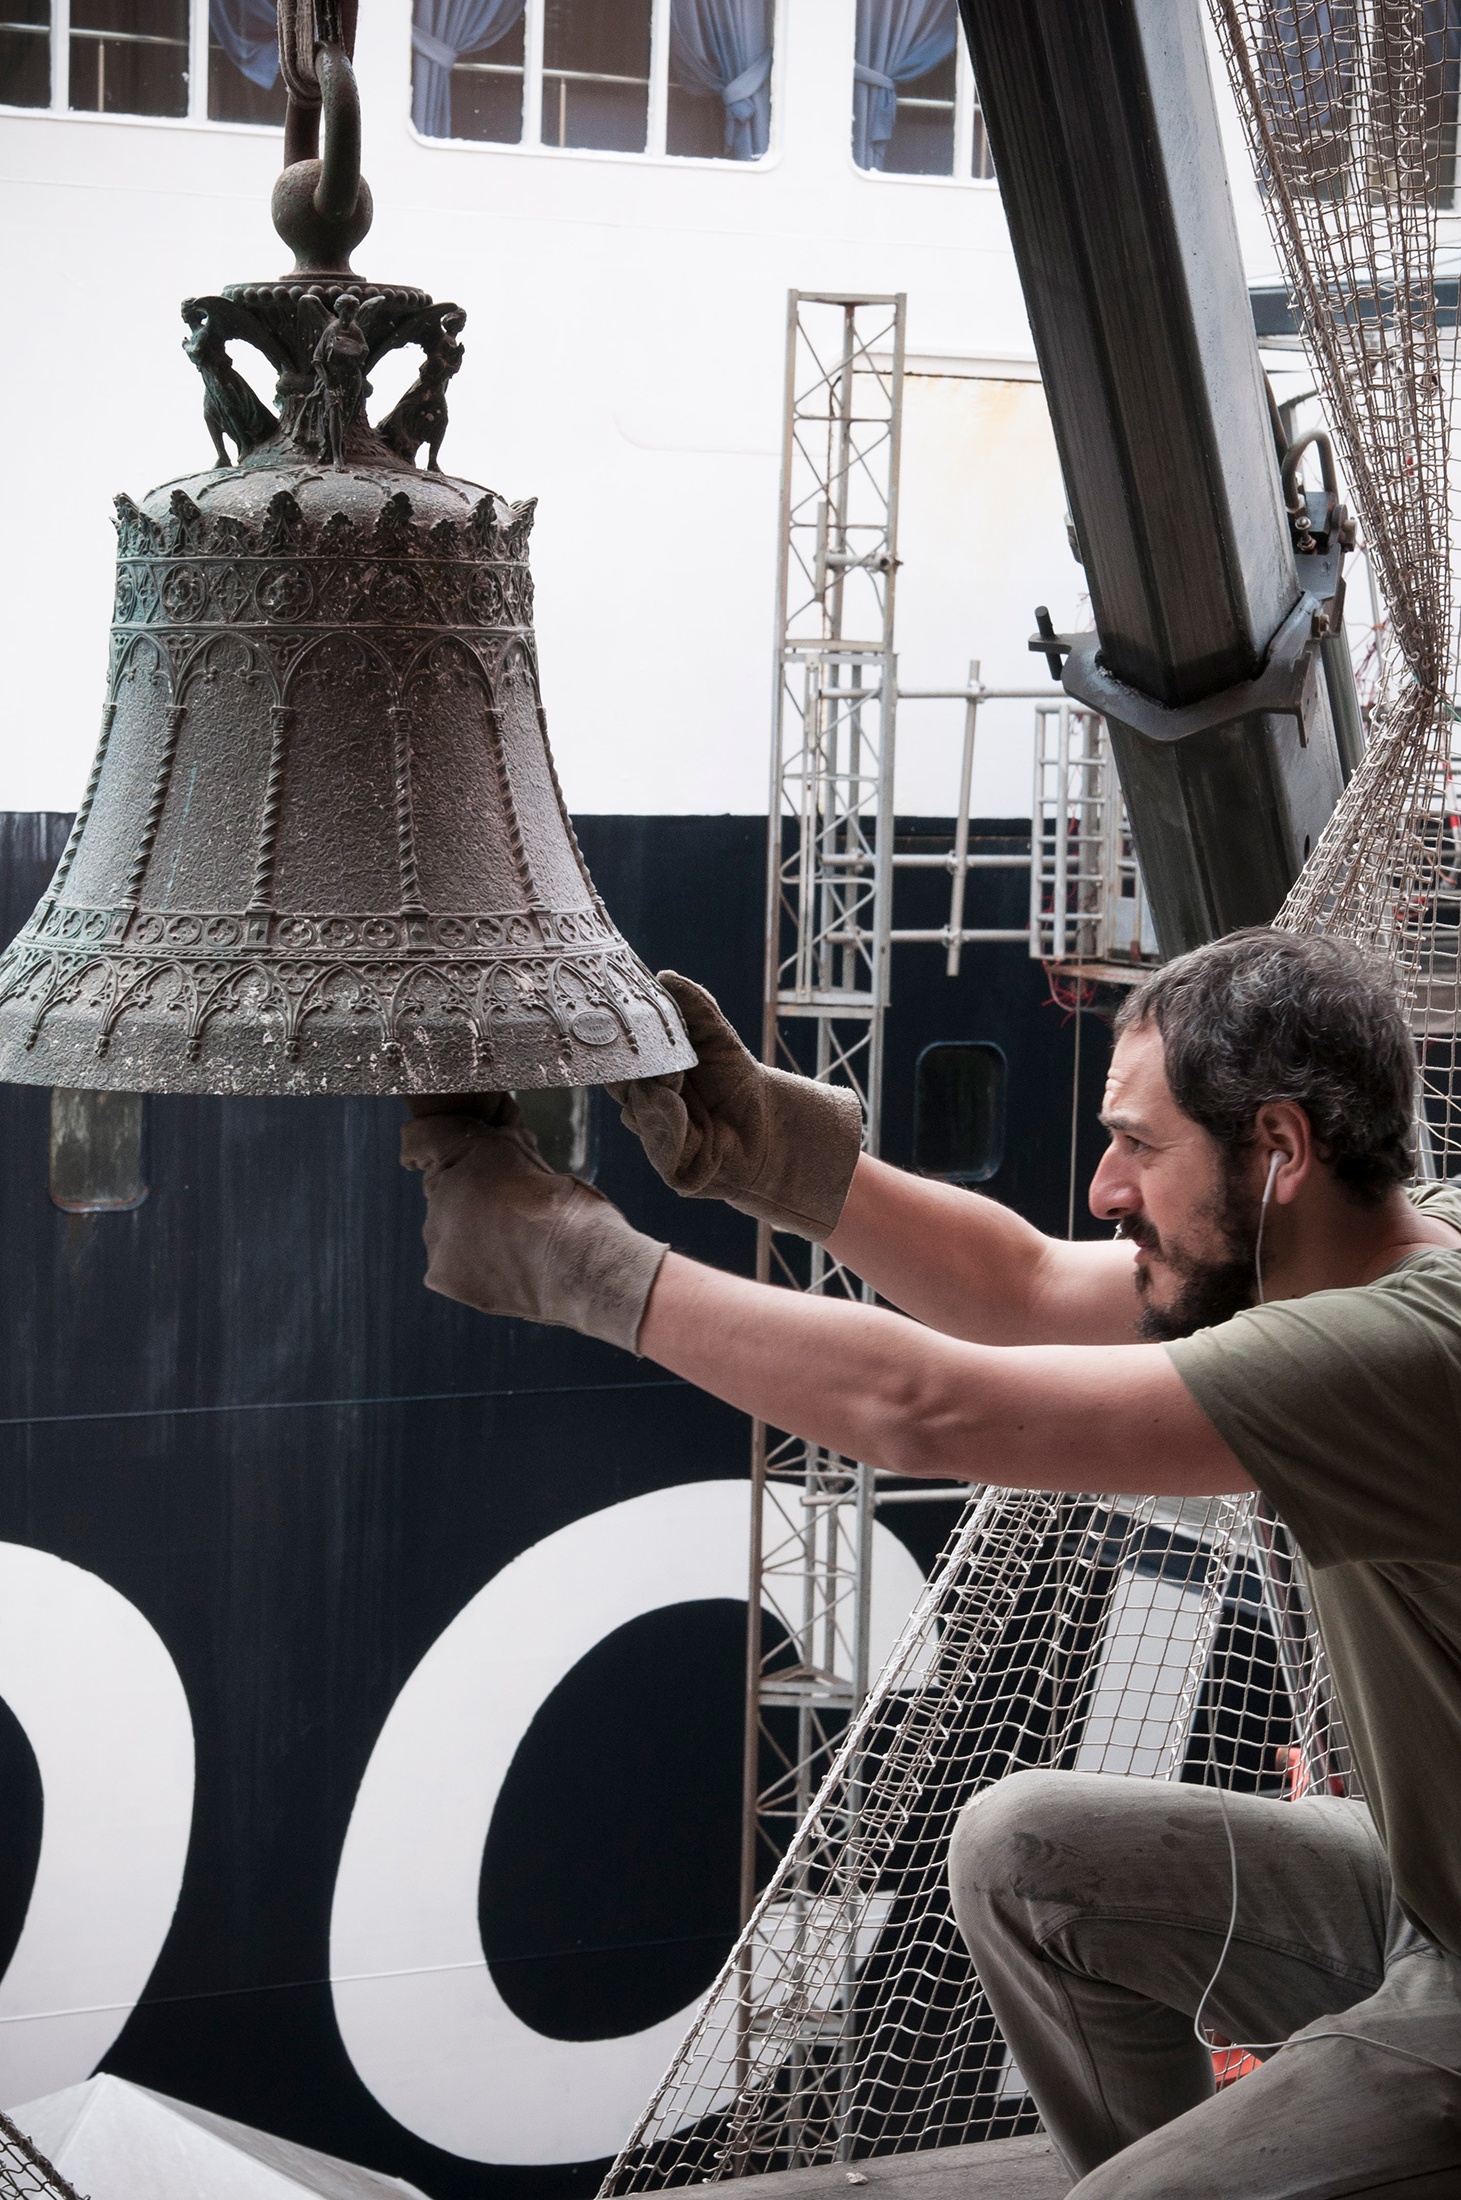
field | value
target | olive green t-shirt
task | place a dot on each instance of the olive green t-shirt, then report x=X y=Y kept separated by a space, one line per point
x=1345 y=1408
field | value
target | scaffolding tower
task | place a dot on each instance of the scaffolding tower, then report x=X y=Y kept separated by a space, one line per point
x=829 y=886
x=829 y=934
x=830 y=868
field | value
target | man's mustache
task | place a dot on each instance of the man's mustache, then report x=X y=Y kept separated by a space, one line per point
x=1140 y=1232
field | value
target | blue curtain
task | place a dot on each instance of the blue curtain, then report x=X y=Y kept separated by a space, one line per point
x=443 y=30
x=724 y=47
x=897 y=40
x=248 y=32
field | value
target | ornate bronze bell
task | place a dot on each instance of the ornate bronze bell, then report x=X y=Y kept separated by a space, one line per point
x=323 y=846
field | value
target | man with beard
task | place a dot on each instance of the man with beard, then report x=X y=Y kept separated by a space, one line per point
x=1278 y=1311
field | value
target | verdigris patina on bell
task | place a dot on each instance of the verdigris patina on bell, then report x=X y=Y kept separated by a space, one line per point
x=323 y=848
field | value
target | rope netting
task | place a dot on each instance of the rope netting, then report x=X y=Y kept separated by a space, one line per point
x=1148 y=1636
x=25 y=2174
x=1140 y=1636
x=1351 y=116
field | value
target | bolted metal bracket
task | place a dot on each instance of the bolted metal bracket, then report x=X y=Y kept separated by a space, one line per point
x=1225 y=771
x=1287 y=686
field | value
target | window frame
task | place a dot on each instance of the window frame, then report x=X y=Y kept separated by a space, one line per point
x=966 y=109
x=59 y=106
x=991 y=1050
x=655 y=151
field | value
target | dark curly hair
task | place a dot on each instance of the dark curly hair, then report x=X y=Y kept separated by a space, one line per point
x=1265 y=1015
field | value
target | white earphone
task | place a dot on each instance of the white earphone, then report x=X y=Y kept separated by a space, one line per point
x=1275 y=1163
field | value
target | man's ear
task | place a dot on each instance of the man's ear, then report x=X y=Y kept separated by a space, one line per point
x=1282 y=1127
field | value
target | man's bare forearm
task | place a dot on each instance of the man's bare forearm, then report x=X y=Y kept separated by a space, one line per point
x=877 y=1387
x=973 y=1269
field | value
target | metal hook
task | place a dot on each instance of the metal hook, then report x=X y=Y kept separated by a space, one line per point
x=1291 y=458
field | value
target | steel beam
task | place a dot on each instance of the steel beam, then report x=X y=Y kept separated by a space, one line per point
x=1106 y=144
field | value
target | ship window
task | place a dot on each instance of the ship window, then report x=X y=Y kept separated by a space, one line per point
x=981 y=160
x=25 y=53
x=915 y=107
x=244 y=84
x=686 y=77
x=129 y=57
x=702 y=117
x=484 y=95
x=596 y=74
x=958 y=1110
x=922 y=143
x=207 y=59
x=96 y=1151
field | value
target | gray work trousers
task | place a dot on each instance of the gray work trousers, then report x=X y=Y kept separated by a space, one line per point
x=1095 y=1907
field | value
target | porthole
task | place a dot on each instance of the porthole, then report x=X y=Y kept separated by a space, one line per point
x=959 y=1110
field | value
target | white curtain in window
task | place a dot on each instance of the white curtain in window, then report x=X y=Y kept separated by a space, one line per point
x=443 y=30
x=724 y=47
x=897 y=41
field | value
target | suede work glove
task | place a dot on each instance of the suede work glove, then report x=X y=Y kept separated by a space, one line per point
x=779 y=1147
x=508 y=1235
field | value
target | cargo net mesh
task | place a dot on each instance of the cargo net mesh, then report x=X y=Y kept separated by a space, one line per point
x=25 y=2174
x=1351 y=116
x=1141 y=1636
x=1147 y=1636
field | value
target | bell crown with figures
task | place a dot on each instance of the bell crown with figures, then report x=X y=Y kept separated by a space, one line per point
x=323 y=847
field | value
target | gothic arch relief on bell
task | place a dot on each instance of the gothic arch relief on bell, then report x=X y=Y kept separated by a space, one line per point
x=323 y=847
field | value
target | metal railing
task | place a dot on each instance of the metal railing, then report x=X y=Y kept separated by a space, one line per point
x=1088 y=906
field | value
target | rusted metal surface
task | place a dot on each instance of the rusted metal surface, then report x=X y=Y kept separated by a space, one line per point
x=323 y=847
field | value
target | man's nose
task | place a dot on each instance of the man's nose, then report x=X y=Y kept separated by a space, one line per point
x=1113 y=1192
